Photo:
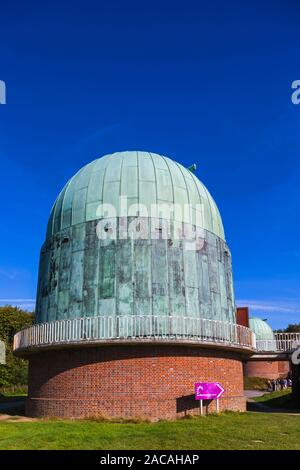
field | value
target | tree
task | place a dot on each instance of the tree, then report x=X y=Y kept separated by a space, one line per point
x=13 y=319
x=293 y=328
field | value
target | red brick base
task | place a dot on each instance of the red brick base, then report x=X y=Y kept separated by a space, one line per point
x=130 y=381
x=267 y=369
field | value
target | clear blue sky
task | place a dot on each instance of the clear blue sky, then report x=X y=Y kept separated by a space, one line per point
x=204 y=82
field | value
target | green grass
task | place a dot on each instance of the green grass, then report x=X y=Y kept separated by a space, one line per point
x=227 y=431
x=281 y=400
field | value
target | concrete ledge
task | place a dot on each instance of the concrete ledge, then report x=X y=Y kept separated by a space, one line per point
x=24 y=352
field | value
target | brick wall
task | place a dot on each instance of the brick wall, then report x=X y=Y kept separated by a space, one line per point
x=267 y=369
x=130 y=381
x=284 y=368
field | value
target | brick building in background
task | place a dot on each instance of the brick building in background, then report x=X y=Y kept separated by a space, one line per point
x=267 y=362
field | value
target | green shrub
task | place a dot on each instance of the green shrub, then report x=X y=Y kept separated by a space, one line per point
x=255 y=383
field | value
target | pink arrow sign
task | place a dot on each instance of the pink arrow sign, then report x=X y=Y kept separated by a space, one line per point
x=208 y=391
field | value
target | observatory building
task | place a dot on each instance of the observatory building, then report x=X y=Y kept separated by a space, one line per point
x=135 y=299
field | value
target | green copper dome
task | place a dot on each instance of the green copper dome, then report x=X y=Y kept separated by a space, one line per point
x=144 y=178
x=135 y=263
x=261 y=328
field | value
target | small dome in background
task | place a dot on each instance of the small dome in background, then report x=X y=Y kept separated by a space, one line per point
x=261 y=328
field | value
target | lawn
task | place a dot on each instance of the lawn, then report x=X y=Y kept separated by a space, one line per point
x=226 y=431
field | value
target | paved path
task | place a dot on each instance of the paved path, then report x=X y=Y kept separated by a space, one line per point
x=254 y=393
x=9 y=411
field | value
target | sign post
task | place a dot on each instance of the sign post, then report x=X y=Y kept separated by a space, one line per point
x=208 y=391
x=201 y=407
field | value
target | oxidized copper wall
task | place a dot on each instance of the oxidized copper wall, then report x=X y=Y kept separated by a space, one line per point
x=81 y=275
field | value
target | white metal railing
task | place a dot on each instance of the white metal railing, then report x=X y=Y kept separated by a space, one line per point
x=266 y=345
x=93 y=329
x=283 y=342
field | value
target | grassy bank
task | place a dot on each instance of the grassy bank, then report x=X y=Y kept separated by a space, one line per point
x=13 y=391
x=255 y=383
x=227 y=431
x=280 y=400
